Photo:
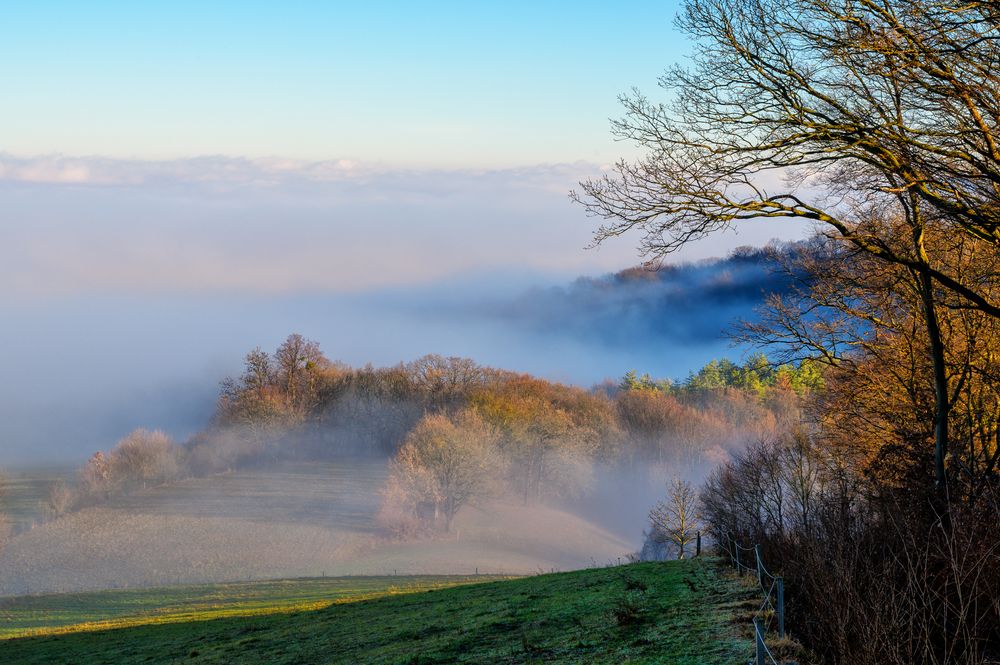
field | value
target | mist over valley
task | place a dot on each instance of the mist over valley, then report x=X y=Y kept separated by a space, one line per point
x=223 y=491
x=155 y=361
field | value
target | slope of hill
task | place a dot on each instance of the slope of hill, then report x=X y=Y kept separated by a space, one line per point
x=304 y=520
x=54 y=614
x=682 y=612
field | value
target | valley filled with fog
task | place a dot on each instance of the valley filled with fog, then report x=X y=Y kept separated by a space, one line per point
x=299 y=465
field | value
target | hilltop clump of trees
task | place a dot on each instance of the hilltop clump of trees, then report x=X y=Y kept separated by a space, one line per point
x=456 y=432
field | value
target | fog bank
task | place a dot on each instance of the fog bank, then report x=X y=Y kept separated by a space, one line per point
x=81 y=372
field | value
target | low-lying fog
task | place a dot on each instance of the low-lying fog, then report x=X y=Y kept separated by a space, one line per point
x=85 y=373
x=79 y=373
x=314 y=519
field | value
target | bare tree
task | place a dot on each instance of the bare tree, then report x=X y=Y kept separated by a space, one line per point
x=883 y=96
x=444 y=381
x=95 y=477
x=296 y=361
x=59 y=500
x=253 y=401
x=675 y=518
x=445 y=464
x=841 y=113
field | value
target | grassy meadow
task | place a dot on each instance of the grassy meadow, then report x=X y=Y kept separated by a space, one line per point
x=75 y=612
x=290 y=521
x=681 y=612
x=26 y=491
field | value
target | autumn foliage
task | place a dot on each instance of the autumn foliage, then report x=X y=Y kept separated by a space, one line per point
x=456 y=432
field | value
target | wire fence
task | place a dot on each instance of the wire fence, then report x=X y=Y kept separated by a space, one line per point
x=770 y=616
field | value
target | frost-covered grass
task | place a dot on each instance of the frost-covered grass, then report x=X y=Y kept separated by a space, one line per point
x=304 y=520
x=26 y=491
x=681 y=612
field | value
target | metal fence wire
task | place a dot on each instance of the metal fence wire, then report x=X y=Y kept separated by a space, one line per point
x=770 y=616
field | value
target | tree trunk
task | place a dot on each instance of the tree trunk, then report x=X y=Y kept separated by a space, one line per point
x=942 y=405
x=449 y=513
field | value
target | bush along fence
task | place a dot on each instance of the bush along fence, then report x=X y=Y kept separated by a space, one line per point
x=770 y=616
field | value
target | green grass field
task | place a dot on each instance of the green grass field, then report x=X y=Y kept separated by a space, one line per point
x=76 y=612
x=684 y=613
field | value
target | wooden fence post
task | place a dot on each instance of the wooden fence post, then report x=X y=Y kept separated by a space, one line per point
x=760 y=650
x=781 y=607
x=697 y=544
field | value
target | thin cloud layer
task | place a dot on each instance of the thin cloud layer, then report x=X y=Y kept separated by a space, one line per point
x=92 y=225
x=62 y=169
x=75 y=225
x=263 y=171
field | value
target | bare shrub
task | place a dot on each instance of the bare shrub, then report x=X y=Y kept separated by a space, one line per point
x=60 y=499
x=874 y=574
x=400 y=514
x=143 y=458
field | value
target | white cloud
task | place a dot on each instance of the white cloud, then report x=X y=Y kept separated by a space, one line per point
x=94 y=170
x=79 y=224
x=62 y=169
x=272 y=225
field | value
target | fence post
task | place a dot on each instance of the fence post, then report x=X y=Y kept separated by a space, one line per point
x=758 y=643
x=697 y=544
x=736 y=548
x=781 y=607
x=756 y=553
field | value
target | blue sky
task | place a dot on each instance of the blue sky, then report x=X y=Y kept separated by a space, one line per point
x=443 y=84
